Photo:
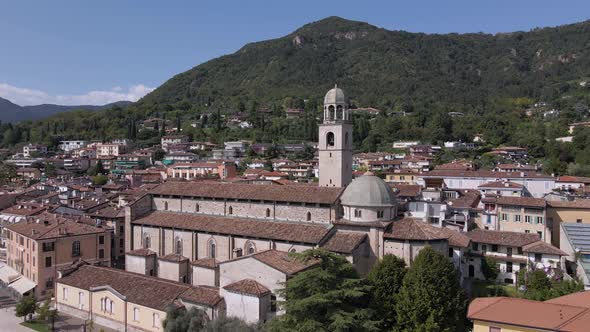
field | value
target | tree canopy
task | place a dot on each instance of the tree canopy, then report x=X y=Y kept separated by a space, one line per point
x=430 y=298
x=328 y=297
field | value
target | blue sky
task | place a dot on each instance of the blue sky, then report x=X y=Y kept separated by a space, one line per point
x=93 y=52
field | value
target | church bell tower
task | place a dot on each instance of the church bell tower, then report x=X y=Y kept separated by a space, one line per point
x=335 y=141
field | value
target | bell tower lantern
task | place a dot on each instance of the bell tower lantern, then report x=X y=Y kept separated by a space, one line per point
x=335 y=141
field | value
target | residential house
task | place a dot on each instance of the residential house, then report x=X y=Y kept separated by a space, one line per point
x=43 y=244
x=512 y=252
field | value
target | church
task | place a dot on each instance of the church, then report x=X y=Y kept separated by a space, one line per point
x=231 y=241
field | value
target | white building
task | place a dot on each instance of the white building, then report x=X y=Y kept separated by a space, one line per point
x=536 y=184
x=68 y=146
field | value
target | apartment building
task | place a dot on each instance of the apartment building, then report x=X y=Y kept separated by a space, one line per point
x=189 y=171
x=43 y=244
x=512 y=252
x=173 y=140
x=69 y=146
x=537 y=185
x=524 y=215
x=577 y=211
x=110 y=149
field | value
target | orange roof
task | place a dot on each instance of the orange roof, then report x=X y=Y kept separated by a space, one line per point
x=538 y=315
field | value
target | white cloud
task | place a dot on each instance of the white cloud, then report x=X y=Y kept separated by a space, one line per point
x=26 y=97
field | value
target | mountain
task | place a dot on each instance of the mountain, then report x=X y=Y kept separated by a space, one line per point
x=10 y=112
x=382 y=68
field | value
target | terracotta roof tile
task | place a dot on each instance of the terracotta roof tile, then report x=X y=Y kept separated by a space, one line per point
x=147 y=291
x=141 y=252
x=282 y=261
x=521 y=201
x=406 y=190
x=344 y=242
x=202 y=295
x=501 y=184
x=414 y=229
x=490 y=174
x=248 y=287
x=301 y=194
x=538 y=315
x=210 y=263
x=542 y=247
x=56 y=226
x=512 y=239
x=577 y=204
x=275 y=230
x=173 y=258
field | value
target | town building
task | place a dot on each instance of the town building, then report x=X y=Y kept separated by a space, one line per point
x=512 y=252
x=69 y=146
x=189 y=171
x=43 y=244
x=30 y=150
x=110 y=149
x=536 y=184
x=576 y=211
x=172 y=140
x=575 y=242
x=126 y=301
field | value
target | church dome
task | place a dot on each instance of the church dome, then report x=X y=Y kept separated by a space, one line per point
x=368 y=191
x=335 y=96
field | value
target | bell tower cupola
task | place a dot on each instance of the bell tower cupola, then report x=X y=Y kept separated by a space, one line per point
x=335 y=141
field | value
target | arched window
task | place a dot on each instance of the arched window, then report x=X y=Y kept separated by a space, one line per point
x=230 y=210
x=197 y=207
x=346 y=140
x=212 y=247
x=330 y=139
x=250 y=248
x=178 y=247
x=166 y=206
x=268 y=213
x=75 y=248
x=358 y=213
x=331 y=113
x=339 y=113
x=308 y=217
x=146 y=241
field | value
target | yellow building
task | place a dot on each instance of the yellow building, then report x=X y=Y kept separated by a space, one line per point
x=401 y=177
x=126 y=301
x=569 y=313
x=577 y=211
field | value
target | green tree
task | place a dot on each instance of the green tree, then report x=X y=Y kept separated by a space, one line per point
x=44 y=310
x=26 y=307
x=182 y=320
x=98 y=169
x=159 y=154
x=328 y=297
x=100 y=180
x=489 y=268
x=386 y=278
x=50 y=170
x=232 y=324
x=431 y=298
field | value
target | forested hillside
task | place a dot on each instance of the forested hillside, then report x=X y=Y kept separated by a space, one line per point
x=492 y=79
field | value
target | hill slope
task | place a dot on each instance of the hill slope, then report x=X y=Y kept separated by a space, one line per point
x=380 y=68
x=10 y=112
